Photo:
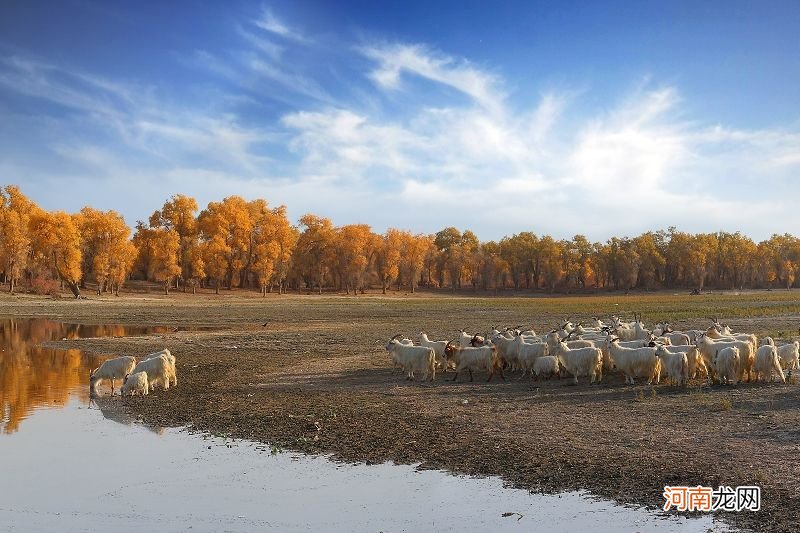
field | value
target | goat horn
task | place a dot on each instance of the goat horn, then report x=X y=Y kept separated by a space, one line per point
x=398 y=335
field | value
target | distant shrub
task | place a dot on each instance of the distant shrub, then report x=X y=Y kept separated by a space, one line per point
x=43 y=283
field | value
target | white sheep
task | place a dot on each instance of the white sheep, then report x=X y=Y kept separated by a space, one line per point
x=160 y=370
x=412 y=358
x=581 y=362
x=478 y=359
x=675 y=364
x=111 y=369
x=135 y=383
x=767 y=364
x=726 y=363
x=635 y=362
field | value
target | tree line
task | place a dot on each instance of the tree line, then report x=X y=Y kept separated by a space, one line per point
x=247 y=244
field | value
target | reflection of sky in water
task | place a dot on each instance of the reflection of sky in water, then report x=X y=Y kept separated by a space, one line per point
x=70 y=469
x=32 y=377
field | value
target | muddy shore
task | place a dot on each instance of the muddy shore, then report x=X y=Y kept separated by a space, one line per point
x=310 y=374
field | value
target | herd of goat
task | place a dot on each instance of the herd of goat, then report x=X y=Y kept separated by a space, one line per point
x=716 y=353
x=155 y=369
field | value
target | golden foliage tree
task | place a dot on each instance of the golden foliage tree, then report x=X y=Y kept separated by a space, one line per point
x=179 y=214
x=226 y=229
x=388 y=255
x=105 y=243
x=15 y=239
x=274 y=240
x=57 y=244
x=314 y=253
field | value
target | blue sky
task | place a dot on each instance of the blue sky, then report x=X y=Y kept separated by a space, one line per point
x=555 y=117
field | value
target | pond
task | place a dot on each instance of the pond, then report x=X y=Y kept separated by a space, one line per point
x=70 y=463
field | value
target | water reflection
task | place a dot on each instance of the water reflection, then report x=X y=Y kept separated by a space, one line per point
x=32 y=377
x=111 y=409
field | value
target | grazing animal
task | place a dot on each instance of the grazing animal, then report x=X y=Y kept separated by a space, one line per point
x=135 y=383
x=112 y=370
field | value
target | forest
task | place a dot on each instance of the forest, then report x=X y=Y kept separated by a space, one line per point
x=236 y=243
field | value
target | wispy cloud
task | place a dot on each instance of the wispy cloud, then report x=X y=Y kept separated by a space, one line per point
x=395 y=59
x=267 y=21
x=492 y=159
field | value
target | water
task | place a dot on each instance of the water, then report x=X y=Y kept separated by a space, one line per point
x=69 y=464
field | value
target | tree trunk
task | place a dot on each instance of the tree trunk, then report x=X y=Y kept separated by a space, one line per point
x=216 y=286
x=74 y=288
x=11 y=285
x=166 y=287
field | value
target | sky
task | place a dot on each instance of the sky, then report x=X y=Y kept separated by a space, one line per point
x=560 y=118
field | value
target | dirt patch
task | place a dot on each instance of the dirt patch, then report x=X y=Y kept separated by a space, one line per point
x=310 y=374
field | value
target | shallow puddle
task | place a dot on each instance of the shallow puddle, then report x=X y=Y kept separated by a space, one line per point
x=86 y=466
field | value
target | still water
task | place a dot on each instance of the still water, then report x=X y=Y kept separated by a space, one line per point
x=71 y=464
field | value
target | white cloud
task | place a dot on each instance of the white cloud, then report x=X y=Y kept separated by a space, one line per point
x=395 y=59
x=269 y=22
x=494 y=162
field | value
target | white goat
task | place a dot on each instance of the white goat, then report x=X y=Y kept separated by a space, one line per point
x=696 y=362
x=478 y=359
x=608 y=360
x=726 y=363
x=676 y=365
x=135 y=383
x=526 y=354
x=412 y=358
x=546 y=366
x=112 y=369
x=635 y=362
x=171 y=358
x=437 y=347
x=465 y=339
x=581 y=361
x=789 y=354
x=768 y=364
x=745 y=352
x=160 y=370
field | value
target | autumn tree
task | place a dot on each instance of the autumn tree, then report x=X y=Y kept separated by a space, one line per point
x=57 y=244
x=226 y=229
x=105 y=241
x=550 y=252
x=314 y=254
x=161 y=247
x=413 y=251
x=15 y=239
x=274 y=239
x=355 y=246
x=179 y=214
x=388 y=257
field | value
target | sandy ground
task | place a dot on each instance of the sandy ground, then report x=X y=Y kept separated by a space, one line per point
x=309 y=373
